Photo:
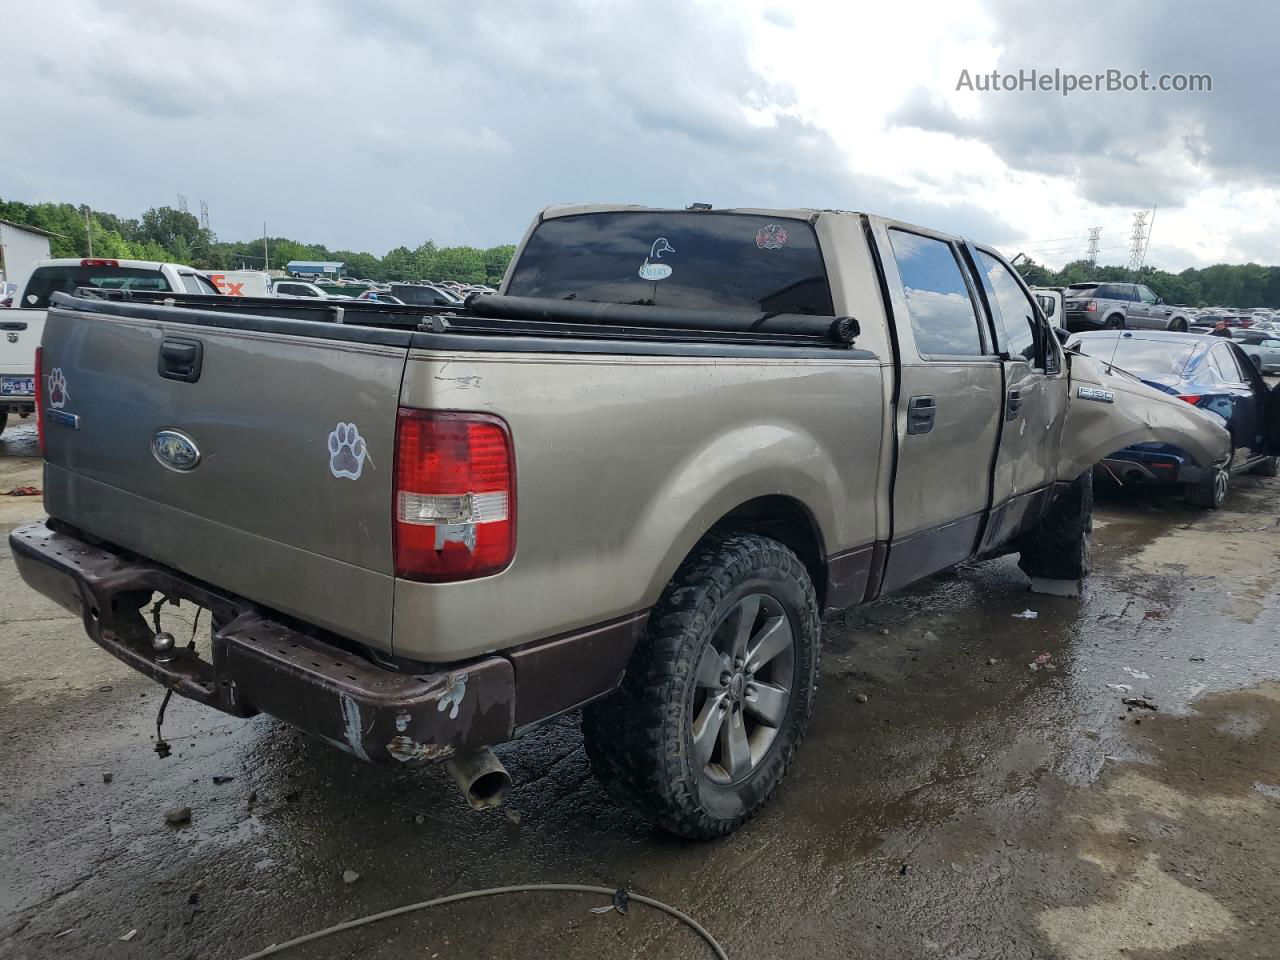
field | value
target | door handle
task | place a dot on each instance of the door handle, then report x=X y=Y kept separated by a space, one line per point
x=1013 y=404
x=920 y=415
x=180 y=359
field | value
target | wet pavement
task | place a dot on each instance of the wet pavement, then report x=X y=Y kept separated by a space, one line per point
x=973 y=807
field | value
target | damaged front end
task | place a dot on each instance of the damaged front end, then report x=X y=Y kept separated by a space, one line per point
x=1109 y=410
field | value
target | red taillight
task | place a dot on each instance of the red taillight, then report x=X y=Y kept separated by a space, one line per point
x=1091 y=306
x=99 y=263
x=455 y=501
x=1191 y=398
x=40 y=397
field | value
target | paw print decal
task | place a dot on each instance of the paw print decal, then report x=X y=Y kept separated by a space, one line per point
x=57 y=389
x=347 y=451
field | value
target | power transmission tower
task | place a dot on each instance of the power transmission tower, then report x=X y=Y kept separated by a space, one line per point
x=1092 y=255
x=1138 y=240
x=182 y=202
x=204 y=215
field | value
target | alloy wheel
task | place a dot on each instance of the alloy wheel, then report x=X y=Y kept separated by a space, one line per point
x=742 y=690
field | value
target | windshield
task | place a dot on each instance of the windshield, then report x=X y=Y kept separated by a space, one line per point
x=676 y=259
x=1140 y=356
x=46 y=281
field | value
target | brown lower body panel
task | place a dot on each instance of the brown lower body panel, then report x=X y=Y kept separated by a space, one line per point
x=260 y=662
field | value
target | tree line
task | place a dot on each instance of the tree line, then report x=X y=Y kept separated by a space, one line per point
x=163 y=233
x=1221 y=285
x=166 y=234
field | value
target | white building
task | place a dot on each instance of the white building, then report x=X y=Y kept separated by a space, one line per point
x=20 y=247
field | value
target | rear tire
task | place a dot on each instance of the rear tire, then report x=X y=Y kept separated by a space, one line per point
x=1211 y=495
x=4 y=419
x=1060 y=547
x=643 y=741
x=1269 y=467
x=1178 y=326
x=1114 y=322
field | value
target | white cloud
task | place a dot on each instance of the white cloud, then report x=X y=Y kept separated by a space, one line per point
x=387 y=122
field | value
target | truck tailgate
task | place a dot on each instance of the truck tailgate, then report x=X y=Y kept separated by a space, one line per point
x=268 y=473
x=19 y=337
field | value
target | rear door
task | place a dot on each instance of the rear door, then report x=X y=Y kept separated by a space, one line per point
x=258 y=458
x=1035 y=400
x=1243 y=401
x=948 y=405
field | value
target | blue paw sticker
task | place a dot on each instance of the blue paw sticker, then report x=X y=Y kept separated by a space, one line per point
x=347 y=451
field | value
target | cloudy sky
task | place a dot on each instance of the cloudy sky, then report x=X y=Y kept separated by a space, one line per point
x=373 y=124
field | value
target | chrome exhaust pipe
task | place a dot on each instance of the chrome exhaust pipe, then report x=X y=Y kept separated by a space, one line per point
x=481 y=777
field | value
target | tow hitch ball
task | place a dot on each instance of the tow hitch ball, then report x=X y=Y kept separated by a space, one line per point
x=163 y=644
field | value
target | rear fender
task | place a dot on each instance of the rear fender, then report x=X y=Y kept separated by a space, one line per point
x=1108 y=411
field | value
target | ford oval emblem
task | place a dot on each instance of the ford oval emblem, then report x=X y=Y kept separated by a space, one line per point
x=175 y=450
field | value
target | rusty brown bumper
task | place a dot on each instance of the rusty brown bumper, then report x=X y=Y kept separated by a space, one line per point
x=260 y=664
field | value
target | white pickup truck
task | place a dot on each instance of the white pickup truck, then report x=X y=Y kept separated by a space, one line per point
x=23 y=324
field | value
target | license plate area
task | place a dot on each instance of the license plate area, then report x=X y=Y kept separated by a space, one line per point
x=11 y=386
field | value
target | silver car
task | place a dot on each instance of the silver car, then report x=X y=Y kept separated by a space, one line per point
x=1119 y=306
x=1263 y=348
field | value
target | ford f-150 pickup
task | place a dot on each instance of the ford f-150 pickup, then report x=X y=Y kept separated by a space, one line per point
x=631 y=482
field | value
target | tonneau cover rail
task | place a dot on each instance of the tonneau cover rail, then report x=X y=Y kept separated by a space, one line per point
x=484 y=315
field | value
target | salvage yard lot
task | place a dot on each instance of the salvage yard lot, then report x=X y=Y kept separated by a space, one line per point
x=971 y=807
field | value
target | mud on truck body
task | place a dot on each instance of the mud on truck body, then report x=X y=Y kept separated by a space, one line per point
x=630 y=483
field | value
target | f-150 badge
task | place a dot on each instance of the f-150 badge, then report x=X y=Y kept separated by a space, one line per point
x=657 y=271
x=1093 y=393
x=347 y=451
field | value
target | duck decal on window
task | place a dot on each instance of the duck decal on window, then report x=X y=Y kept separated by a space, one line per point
x=649 y=270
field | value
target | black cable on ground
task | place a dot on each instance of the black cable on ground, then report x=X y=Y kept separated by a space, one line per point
x=684 y=918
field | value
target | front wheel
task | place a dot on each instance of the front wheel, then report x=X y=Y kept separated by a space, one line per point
x=1060 y=546
x=1209 y=495
x=718 y=693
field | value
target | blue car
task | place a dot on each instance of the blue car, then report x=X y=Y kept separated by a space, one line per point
x=1210 y=373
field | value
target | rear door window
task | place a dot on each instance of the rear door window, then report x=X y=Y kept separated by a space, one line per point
x=1226 y=362
x=939 y=305
x=677 y=259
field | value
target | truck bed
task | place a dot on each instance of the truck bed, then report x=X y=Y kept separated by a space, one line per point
x=644 y=419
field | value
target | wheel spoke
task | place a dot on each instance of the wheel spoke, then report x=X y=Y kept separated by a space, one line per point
x=735 y=749
x=706 y=729
x=768 y=704
x=711 y=668
x=745 y=612
x=769 y=642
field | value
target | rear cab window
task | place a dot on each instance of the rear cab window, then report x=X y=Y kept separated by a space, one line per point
x=46 y=281
x=695 y=260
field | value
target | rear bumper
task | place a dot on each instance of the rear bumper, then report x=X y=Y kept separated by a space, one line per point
x=258 y=663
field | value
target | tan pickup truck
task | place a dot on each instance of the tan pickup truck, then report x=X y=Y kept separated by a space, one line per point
x=633 y=482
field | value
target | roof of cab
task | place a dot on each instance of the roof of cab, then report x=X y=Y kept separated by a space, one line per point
x=808 y=214
x=798 y=213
